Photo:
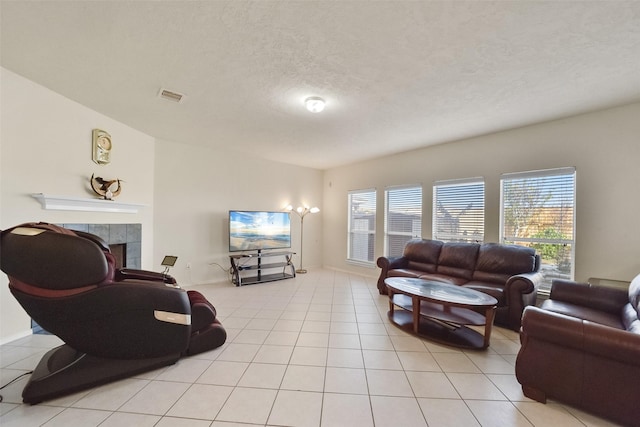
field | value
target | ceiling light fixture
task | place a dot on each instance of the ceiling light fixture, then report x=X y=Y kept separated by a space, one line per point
x=315 y=104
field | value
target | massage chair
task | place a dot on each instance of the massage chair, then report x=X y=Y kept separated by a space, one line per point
x=114 y=322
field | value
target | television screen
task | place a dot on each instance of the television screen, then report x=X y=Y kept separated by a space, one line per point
x=253 y=230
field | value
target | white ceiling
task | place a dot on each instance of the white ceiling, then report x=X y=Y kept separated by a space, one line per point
x=396 y=75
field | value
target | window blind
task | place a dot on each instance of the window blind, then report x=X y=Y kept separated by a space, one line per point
x=362 y=225
x=458 y=210
x=538 y=211
x=403 y=217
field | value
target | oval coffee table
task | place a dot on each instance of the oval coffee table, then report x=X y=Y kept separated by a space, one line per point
x=441 y=311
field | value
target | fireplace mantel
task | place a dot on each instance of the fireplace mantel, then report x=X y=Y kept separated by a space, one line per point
x=65 y=203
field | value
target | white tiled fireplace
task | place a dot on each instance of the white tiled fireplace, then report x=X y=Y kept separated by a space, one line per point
x=125 y=240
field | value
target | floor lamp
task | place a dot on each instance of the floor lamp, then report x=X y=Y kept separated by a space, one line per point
x=302 y=212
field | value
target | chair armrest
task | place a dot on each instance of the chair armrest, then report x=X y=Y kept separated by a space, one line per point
x=132 y=274
x=610 y=300
x=122 y=320
x=581 y=335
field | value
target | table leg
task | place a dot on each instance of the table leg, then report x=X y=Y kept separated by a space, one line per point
x=416 y=313
x=391 y=304
x=489 y=316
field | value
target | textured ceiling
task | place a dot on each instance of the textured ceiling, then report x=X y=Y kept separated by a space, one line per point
x=397 y=75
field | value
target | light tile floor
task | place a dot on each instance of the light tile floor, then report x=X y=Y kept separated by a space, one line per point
x=317 y=350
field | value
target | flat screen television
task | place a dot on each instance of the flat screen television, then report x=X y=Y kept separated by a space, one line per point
x=259 y=230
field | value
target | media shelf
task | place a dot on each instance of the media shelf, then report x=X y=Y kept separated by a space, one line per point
x=240 y=263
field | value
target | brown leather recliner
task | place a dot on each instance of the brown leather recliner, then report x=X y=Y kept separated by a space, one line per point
x=582 y=348
x=114 y=322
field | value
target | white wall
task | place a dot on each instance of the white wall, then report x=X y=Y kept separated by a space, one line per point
x=197 y=186
x=604 y=147
x=46 y=148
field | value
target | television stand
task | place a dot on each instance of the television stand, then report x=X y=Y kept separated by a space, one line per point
x=243 y=262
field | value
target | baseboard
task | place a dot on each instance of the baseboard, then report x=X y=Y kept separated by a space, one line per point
x=15 y=337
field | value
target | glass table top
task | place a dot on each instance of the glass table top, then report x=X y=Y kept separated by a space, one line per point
x=439 y=291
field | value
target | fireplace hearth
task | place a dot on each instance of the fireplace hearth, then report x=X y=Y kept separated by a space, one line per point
x=119 y=252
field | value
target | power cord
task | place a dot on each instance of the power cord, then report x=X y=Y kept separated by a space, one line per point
x=226 y=270
x=13 y=381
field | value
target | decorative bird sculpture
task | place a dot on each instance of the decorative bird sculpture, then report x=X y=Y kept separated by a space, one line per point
x=104 y=187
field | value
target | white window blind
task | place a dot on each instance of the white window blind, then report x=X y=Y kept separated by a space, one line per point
x=538 y=211
x=362 y=225
x=458 y=210
x=403 y=218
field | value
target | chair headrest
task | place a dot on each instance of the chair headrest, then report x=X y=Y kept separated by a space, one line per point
x=51 y=257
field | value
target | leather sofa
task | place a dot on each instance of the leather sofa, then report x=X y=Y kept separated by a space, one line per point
x=582 y=347
x=508 y=273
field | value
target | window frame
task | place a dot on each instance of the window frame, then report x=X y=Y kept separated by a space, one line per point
x=463 y=182
x=416 y=232
x=371 y=231
x=554 y=173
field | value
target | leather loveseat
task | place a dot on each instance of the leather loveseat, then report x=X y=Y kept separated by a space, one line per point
x=508 y=273
x=582 y=348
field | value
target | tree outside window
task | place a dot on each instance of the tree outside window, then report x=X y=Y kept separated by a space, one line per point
x=538 y=211
x=458 y=210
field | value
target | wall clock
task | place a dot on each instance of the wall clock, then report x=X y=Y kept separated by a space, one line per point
x=101 y=147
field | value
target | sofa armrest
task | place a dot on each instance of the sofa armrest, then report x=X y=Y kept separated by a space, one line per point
x=520 y=291
x=386 y=264
x=549 y=326
x=612 y=343
x=524 y=283
x=389 y=263
x=610 y=300
x=581 y=335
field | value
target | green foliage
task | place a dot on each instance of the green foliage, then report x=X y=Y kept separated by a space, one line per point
x=549 y=251
x=523 y=200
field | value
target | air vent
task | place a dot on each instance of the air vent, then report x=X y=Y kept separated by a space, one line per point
x=170 y=95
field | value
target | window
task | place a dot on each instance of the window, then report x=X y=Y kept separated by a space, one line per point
x=403 y=218
x=538 y=211
x=362 y=225
x=458 y=210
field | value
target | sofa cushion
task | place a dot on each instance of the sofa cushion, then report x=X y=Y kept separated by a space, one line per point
x=421 y=266
x=443 y=278
x=603 y=298
x=404 y=272
x=496 y=262
x=585 y=313
x=458 y=259
x=423 y=254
